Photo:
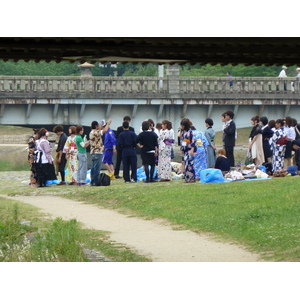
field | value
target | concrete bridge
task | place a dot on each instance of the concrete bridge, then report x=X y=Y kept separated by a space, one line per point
x=47 y=101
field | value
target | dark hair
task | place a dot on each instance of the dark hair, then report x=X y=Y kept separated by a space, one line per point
x=209 y=121
x=94 y=124
x=73 y=129
x=58 y=128
x=271 y=123
x=126 y=118
x=255 y=118
x=151 y=122
x=229 y=113
x=35 y=130
x=145 y=125
x=280 y=121
x=289 y=121
x=264 y=120
x=158 y=126
x=78 y=129
x=125 y=125
x=168 y=123
x=294 y=122
x=41 y=132
x=186 y=124
x=193 y=127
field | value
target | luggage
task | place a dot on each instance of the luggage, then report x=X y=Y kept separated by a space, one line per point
x=103 y=180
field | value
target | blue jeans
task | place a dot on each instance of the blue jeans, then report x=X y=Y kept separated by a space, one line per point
x=96 y=166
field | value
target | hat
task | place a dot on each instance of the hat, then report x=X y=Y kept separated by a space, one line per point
x=284 y=67
x=298 y=69
x=102 y=122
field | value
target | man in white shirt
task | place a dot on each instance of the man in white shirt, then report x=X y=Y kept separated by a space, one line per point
x=282 y=74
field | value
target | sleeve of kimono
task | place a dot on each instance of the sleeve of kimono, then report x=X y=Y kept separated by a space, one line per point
x=47 y=150
x=67 y=146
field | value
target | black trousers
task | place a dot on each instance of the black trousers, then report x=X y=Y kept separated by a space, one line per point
x=62 y=166
x=119 y=160
x=129 y=162
x=230 y=154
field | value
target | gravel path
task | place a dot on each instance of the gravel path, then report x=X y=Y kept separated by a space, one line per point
x=152 y=238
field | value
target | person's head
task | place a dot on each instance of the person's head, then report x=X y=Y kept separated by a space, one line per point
x=279 y=123
x=222 y=152
x=185 y=124
x=79 y=130
x=294 y=122
x=152 y=124
x=255 y=120
x=125 y=125
x=271 y=123
x=228 y=73
x=167 y=124
x=72 y=129
x=209 y=122
x=229 y=114
x=158 y=126
x=288 y=121
x=127 y=119
x=58 y=129
x=145 y=125
x=94 y=125
x=284 y=68
x=263 y=120
x=42 y=133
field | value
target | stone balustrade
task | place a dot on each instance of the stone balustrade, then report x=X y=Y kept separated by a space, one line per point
x=71 y=86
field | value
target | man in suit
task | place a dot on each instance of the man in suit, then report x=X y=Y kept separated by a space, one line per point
x=119 y=149
x=229 y=135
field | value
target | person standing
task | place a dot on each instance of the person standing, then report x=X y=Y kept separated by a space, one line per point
x=290 y=132
x=110 y=148
x=230 y=82
x=147 y=141
x=120 y=129
x=81 y=144
x=267 y=134
x=61 y=156
x=282 y=74
x=188 y=147
x=70 y=149
x=165 y=143
x=211 y=149
x=127 y=143
x=229 y=135
x=255 y=148
x=96 y=149
x=278 y=147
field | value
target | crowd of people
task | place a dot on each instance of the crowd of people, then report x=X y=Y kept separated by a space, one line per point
x=270 y=142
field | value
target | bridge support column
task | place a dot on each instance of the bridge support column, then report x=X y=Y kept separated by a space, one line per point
x=287 y=110
x=210 y=109
x=108 y=110
x=66 y=116
x=261 y=109
x=235 y=110
x=134 y=110
x=28 y=113
x=160 y=111
x=2 y=110
x=173 y=78
x=184 y=108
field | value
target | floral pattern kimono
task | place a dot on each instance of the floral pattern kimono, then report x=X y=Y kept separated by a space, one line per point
x=188 y=142
x=72 y=165
x=165 y=143
x=278 y=151
x=200 y=156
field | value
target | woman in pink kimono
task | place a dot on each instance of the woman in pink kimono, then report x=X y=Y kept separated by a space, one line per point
x=165 y=144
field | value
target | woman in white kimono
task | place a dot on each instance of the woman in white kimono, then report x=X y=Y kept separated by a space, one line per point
x=165 y=144
x=255 y=149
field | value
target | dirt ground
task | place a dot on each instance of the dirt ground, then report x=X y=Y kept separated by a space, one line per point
x=154 y=239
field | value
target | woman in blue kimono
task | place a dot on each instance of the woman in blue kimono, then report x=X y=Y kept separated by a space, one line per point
x=200 y=156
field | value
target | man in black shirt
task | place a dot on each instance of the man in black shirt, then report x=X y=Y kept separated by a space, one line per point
x=60 y=156
x=119 y=149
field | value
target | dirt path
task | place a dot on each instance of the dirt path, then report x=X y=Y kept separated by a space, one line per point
x=150 y=238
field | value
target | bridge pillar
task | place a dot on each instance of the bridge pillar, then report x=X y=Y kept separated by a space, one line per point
x=235 y=110
x=210 y=109
x=2 y=110
x=160 y=111
x=261 y=109
x=134 y=110
x=172 y=73
x=287 y=110
x=86 y=69
x=108 y=110
x=28 y=113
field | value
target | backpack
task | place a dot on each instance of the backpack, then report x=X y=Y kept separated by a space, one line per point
x=103 y=180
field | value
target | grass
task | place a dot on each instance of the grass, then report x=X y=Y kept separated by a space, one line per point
x=27 y=236
x=261 y=215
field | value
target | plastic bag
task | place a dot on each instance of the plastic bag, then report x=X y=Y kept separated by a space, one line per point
x=211 y=175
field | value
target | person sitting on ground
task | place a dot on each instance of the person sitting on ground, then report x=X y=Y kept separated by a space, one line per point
x=222 y=162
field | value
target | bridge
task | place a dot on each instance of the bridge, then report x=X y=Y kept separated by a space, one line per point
x=47 y=100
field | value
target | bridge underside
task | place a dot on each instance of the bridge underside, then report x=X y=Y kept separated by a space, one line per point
x=83 y=112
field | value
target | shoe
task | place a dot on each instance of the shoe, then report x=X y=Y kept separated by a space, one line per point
x=164 y=180
x=127 y=181
x=132 y=180
x=117 y=177
x=72 y=183
x=112 y=177
x=61 y=183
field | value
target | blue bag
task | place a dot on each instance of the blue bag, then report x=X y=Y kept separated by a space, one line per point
x=293 y=170
x=211 y=175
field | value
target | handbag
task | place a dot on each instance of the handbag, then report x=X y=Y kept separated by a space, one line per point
x=248 y=160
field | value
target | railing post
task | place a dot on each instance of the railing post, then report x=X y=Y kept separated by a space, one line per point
x=173 y=78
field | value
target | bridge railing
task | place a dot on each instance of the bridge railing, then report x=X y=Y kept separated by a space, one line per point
x=151 y=85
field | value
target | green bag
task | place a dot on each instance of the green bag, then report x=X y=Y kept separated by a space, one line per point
x=248 y=160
